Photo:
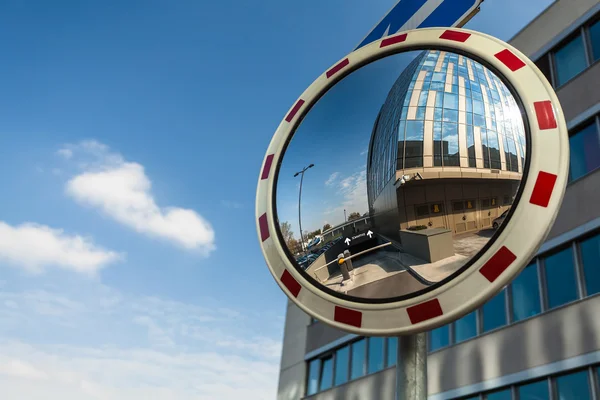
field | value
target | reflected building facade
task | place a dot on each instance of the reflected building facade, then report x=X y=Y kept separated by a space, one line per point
x=452 y=121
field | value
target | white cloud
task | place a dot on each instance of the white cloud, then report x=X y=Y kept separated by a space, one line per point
x=331 y=180
x=65 y=153
x=38 y=247
x=122 y=191
x=353 y=189
x=131 y=347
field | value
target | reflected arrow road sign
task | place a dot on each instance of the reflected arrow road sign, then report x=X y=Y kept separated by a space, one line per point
x=412 y=14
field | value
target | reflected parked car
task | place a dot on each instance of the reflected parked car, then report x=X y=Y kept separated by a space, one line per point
x=498 y=221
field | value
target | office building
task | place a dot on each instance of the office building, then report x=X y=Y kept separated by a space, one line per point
x=540 y=337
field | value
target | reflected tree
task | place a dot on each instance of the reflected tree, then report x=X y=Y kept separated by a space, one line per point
x=353 y=216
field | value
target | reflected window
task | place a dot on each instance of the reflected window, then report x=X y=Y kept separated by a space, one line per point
x=313 y=377
x=573 y=386
x=375 y=354
x=437 y=144
x=526 y=294
x=413 y=146
x=534 y=391
x=451 y=101
x=358 y=359
x=466 y=327
x=392 y=351
x=560 y=278
x=499 y=395
x=471 y=146
x=342 y=359
x=422 y=211
x=590 y=258
x=494 y=312
x=450 y=147
x=594 y=32
x=450 y=116
x=439 y=337
x=569 y=60
x=585 y=151
x=326 y=374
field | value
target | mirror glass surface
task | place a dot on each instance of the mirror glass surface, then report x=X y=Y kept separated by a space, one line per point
x=400 y=174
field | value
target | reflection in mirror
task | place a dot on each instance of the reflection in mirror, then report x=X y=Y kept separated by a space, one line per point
x=400 y=174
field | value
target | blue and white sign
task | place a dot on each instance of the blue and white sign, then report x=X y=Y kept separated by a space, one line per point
x=413 y=14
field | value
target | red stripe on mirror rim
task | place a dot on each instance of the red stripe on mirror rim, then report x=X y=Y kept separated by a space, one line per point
x=542 y=191
x=424 y=311
x=294 y=110
x=507 y=58
x=496 y=265
x=267 y=168
x=455 y=36
x=290 y=283
x=393 y=40
x=347 y=316
x=264 y=227
x=334 y=70
x=545 y=115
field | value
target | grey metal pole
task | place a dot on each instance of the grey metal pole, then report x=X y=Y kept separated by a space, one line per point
x=299 y=214
x=411 y=367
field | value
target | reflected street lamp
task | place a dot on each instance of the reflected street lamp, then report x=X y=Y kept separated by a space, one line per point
x=301 y=173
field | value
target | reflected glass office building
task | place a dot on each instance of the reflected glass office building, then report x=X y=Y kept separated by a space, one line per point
x=451 y=119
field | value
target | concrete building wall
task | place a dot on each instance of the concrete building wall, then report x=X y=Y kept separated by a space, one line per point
x=292 y=374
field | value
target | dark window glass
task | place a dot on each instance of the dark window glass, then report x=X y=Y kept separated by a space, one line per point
x=326 y=374
x=375 y=354
x=534 y=391
x=485 y=203
x=560 y=278
x=465 y=327
x=342 y=358
x=590 y=257
x=358 y=359
x=313 y=377
x=494 y=312
x=544 y=65
x=526 y=294
x=573 y=386
x=595 y=40
x=499 y=395
x=392 y=351
x=422 y=211
x=458 y=206
x=569 y=60
x=585 y=151
x=439 y=337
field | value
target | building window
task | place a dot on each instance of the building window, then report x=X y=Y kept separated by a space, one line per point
x=526 y=294
x=569 y=60
x=375 y=354
x=494 y=312
x=585 y=151
x=313 y=377
x=392 y=351
x=544 y=65
x=534 y=391
x=560 y=278
x=590 y=258
x=439 y=337
x=422 y=211
x=342 y=358
x=326 y=373
x=358 y=359
x=499 y=395
x=594 y=32
x=573 y=386
x=466 y=327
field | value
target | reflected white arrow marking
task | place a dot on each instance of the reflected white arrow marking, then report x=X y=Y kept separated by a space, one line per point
x=369 y=234
x=347 y=241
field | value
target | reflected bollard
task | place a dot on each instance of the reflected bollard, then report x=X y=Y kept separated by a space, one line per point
x=349 y=262
x=343 y=267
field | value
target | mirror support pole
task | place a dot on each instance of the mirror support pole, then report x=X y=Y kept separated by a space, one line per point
x=411 y=367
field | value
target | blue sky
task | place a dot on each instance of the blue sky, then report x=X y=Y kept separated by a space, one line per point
x=131 y=139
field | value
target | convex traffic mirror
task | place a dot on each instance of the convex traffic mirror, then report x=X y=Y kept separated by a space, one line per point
x=420 y=171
